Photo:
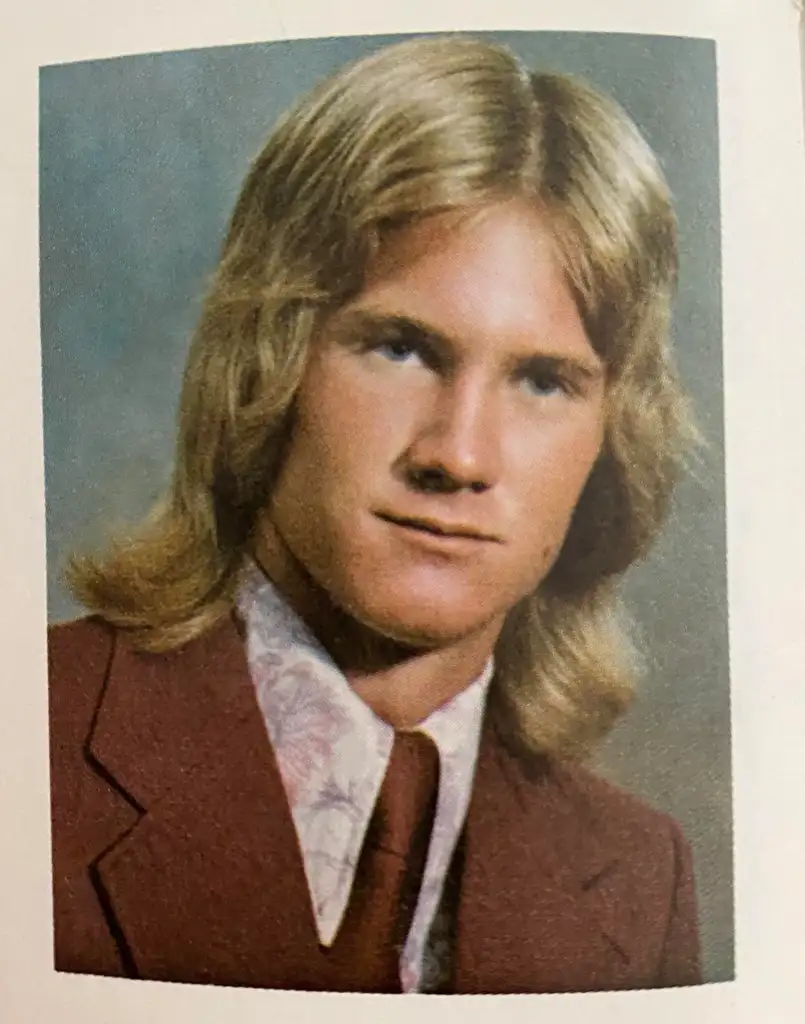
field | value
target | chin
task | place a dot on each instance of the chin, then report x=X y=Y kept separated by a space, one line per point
x=421 y=623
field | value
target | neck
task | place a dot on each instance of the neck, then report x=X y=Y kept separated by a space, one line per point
x=407 y=693
x=401 y=683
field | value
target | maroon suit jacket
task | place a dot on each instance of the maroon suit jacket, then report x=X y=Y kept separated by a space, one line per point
x=175 y=856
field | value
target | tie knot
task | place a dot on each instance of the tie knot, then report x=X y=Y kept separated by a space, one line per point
x=408 y=795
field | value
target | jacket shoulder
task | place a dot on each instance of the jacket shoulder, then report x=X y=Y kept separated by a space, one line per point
x=79 y=655
x=609 y=802
x=622 y=863
x=611 y=824
x=665 y=862
x=661 y=877
x=660 y=863
x=79 y=643
x=591 y=813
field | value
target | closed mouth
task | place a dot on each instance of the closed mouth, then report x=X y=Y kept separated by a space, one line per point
x=437 y=528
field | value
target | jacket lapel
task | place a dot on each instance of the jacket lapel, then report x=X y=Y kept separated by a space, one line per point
x=209 y=884
x=539 y=910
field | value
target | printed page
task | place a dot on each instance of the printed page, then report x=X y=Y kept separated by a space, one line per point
x=129 y=132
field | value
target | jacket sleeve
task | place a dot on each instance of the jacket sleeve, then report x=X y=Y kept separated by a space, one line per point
x=681 y=956
x=85 y=809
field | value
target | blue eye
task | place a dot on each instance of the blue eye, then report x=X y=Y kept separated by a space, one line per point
x=397 y=350
x=545 y=384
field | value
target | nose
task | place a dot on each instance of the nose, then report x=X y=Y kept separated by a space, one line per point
x=457 y=444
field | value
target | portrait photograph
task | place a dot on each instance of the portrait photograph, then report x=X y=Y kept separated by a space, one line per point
x=385 y=502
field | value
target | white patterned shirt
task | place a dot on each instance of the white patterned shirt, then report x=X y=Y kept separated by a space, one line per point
x=332 y=752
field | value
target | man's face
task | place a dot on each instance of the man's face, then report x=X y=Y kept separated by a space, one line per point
x=446 y=425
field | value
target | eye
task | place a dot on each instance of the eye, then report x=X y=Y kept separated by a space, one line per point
x=546 y=382
x=405 y=345
x=398 y=350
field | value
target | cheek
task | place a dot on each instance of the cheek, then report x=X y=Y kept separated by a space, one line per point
x=552 y=485
x=345 y=442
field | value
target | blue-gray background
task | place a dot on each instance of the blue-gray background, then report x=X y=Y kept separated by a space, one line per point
x=141 y=159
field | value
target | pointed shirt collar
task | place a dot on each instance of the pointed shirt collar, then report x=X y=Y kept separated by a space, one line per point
x=332 y=752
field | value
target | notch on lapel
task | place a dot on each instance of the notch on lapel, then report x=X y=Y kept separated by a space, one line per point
x=548 y=902
x=209 y=884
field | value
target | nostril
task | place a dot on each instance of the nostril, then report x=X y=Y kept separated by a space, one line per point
x=438 y=480
x=434 y=480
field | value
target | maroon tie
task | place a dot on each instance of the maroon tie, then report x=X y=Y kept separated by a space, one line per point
x=389 y=873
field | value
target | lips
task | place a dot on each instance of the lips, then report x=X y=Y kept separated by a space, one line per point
x=438 y=527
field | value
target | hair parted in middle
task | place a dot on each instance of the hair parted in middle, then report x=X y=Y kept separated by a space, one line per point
x=418 y=128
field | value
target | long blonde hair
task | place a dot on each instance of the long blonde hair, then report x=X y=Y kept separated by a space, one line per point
x=417 y=128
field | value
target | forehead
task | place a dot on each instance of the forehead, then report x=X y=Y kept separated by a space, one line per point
x=492 y=275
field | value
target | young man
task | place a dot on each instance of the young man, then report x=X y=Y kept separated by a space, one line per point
x=322 y=729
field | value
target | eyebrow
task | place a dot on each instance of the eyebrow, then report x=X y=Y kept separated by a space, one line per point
x=365 y=322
